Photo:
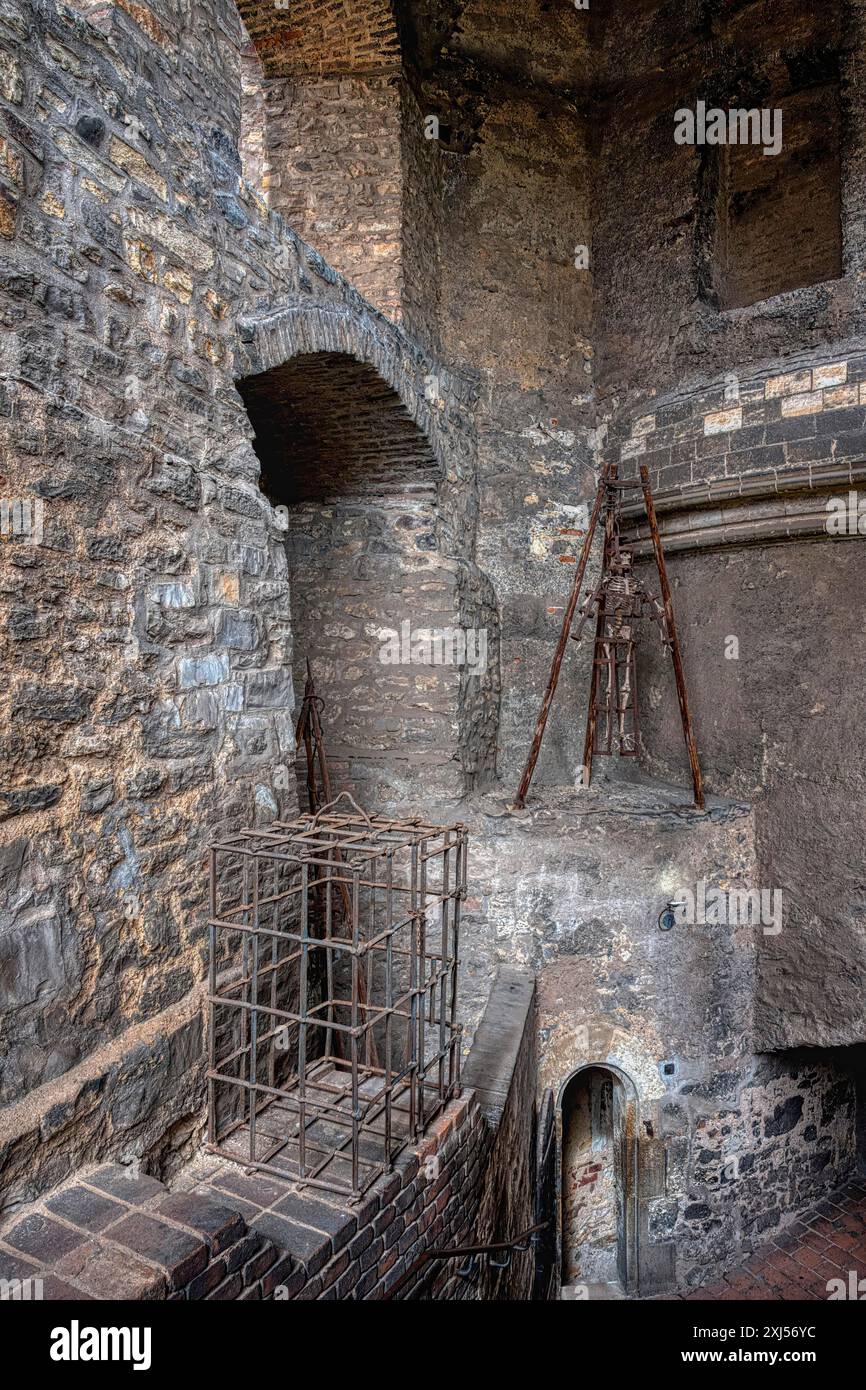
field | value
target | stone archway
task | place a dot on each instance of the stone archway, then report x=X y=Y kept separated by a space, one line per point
x=440 y=400
x=357 y=450
x=598 y=1182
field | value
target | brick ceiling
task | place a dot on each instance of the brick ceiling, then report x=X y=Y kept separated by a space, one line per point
x=328 y=425
x=322 y=37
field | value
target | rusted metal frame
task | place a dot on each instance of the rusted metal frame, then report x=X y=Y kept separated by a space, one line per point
x=338 y=851
x=339 y=1117
x=375 y=1013
x=589 y=741
x=323 y=1110
x=265 y=971
x=635 y=705
x=292 y=936
x=411 y=1033
x=366 y=963
x=312 y=1179
x=303 y=733
x=331 y=1112
x=245 y=958
x=287 y=894
x=445 y=901
x=240 y=1053
x=356 y=993
x=412 y=830
x=330 y=1038
x=254 y=1017
x=310 y=759
x=430 y=970
x=679 y=673
x=334 y=1116
x=422 y=979
x=460 y=894
x=568 y=619
x=273 y=970
x=291 y=1017
x=303 y=1002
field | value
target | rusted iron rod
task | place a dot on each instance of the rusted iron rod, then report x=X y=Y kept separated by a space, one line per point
x=679 y=673
x=568 y=619
x=310 y=726
x=460 y=1251
x=592 y=707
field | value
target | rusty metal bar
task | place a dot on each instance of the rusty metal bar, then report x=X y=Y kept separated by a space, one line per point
x=455 y=1252
x=592 y=708
x=618 y=602
x=667 y=601
x=568 y=619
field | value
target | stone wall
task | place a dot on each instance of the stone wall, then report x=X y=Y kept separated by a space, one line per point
x=502 y=1068
x=152 y=704
x=750 y=488
x=333 y=150
x=401 y=633
x=589 y=1198
x=730 y=1144
x=495 y=209
x=750 y=420
x=657 y=322
x=322 y=124
x=149 y=632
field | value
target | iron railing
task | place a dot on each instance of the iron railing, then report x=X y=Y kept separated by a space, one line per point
x=497 y=1253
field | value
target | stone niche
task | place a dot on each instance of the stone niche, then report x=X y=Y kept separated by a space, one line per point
x=399 y=628
x=594 y=1139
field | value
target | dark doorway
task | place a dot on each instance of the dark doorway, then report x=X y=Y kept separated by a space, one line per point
x=598 y=1171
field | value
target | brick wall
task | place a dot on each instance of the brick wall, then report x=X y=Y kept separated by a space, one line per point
x=236 y=1236
x=749 y=468
x=757 y=421
x=322 y=36
x=656 y=219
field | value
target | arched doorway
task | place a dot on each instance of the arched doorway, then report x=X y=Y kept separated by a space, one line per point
x=598 y=1183
x=386 y=612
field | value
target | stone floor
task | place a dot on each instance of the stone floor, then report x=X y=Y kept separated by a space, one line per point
x=592 y=1293
x=829 y=1243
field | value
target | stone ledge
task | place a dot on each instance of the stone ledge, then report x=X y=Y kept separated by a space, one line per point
x=114 y=1234
x=750 y=510
x=493 y=1056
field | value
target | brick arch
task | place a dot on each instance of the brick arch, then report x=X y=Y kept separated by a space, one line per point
x=615 y=1071
x=369 y=445
x=324 y=38
x=440 y=402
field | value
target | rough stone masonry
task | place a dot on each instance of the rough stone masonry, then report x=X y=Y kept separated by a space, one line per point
x=321 y=319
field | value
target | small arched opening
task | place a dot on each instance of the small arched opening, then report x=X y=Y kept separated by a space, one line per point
x=598 y=1183
x=380 y=605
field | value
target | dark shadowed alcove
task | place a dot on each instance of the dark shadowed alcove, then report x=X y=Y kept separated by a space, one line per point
x=376 y=601
x=598 y=1174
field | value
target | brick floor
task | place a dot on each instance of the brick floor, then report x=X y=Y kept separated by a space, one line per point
x=825 y=1244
